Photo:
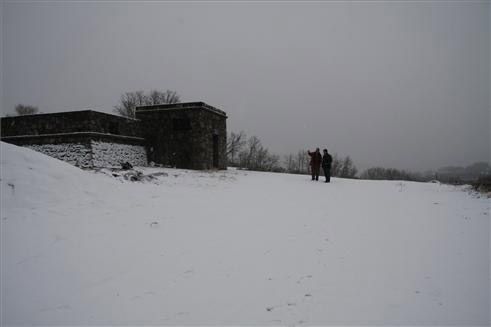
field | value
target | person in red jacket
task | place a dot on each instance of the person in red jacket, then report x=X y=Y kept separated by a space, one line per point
x=315 y=163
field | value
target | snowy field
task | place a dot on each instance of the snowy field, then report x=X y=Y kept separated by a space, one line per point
x=235 y=247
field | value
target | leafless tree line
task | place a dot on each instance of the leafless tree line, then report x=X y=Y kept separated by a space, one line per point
x=381 y=173
x=299 y=163
x=130 y=100
x=249 y=153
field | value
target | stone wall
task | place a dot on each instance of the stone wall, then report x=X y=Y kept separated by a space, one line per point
x=70 y=122
x=77 y=154
x=185 y=135
x=105 y=154
x=212 y=126
x=94 y=154
x=86 y=150
x=182 y=135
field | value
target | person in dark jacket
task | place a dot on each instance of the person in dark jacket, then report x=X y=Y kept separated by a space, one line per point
x=315 y=163
x=326 y=165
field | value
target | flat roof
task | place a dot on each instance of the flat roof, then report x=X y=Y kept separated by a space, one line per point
x=182 y=105
x=72 y=112
x=72 y=134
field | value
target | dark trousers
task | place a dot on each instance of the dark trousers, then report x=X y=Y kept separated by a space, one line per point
x=315 y=173
x=327 y=172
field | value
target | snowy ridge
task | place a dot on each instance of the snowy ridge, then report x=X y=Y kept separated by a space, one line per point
x=234 y=247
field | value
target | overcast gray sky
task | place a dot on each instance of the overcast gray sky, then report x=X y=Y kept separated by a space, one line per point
x=404 y=85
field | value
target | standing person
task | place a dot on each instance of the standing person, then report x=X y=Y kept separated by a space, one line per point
x=315 y=163
x=326 y=165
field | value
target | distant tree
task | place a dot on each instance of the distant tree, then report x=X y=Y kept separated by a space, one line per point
x=347 y=169
x=297 y=163
x=130 y=100
x=290 y=163
x=272 y=163
x=453 y=174
x=476 y=170
x=253 y=145
x=380 y=173
x=302 y=162
x=158 y=97
x=235 y=143
x=254 y=156
x=22 y=110
x=336 y=165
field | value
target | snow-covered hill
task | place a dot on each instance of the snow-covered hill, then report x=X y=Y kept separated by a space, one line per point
x=235 y=247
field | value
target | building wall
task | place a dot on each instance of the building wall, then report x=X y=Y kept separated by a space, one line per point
x=169 y=136
x=87 y=150
x=182 y=136
x=77 y=154
x=211 y=125
x=107 y=154
x=70 y=122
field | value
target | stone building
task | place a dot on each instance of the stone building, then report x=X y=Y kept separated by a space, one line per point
x=187 y=135
x=84 y=138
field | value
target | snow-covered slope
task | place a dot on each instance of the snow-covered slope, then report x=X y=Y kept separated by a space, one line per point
x=235 y=247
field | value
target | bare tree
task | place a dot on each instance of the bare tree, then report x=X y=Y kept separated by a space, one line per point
x=290 y=163
x=253 y=145
x=302 y=162
x=22 y=110
x=159 y=97
x=272 y=163
x=130 y=100
x=256 y=157
x=348 y=169
x=381 y=173
x=235 y=143
x=336 y=165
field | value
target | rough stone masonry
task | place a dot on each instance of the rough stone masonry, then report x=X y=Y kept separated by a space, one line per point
x=185 y=135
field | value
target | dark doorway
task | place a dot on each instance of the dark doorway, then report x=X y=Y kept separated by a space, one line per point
x=215 y=151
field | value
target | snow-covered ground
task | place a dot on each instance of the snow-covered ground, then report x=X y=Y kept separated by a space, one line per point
x=235 y=247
